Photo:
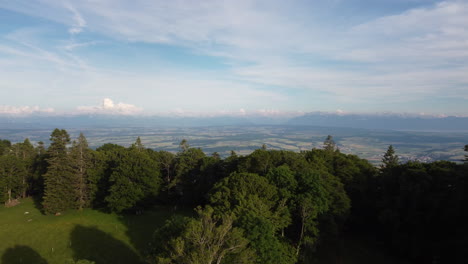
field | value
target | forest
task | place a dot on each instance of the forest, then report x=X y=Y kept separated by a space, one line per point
x=271 y=206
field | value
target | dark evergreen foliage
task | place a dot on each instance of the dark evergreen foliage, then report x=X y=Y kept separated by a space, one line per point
x=12 y=173
x=59 y=182
x=389 y=159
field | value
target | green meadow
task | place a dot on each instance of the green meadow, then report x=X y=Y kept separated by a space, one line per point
x=35 y=238
x=28 y=236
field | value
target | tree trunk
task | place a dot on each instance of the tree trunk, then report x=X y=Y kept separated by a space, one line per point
x=303 y=216
x=24 y=187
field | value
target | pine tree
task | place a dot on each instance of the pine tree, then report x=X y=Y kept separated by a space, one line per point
x=40 y=149
x=27 y=155
x=80 y=155
x=59 y=188
x=138 y=145
x=12 y=172
x=329 y=144
x=389 y=159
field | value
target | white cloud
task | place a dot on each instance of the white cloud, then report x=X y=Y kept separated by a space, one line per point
x=24 y=110
x=109 y=107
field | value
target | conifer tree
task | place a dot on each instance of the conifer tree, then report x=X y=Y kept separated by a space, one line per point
x=329 y=144
x=59 y=187
x=40 y=149
x=138 y=145
x=80 y=155
x=389 y=159
x=11 y=173
x=27 y=155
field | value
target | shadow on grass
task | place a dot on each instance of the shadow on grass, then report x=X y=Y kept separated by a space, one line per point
x=355 y=249
x=95 y=245
x=22 y=254
x=141 y=228
x=38 y=203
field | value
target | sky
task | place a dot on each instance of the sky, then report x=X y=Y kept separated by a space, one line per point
x=217 y=57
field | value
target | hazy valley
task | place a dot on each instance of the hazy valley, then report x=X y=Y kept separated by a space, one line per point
x=243 y=139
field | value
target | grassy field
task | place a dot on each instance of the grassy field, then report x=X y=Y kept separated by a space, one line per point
x=34 y=238
x=104 y=238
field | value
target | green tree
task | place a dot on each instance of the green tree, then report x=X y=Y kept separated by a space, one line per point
x=5 y=146
x=283 y=178
x=80 y=160
x=207 y=239
x=40 y=149
x=39 y=168
x=329 y=144
x=259 y=212
x=12 y=172
x=59 y=181
x=166 y=161
x=184 y=146
x=260 y=161
x=26 y=153
x=312 y=200
x=134 y=179
x=138 y=145
x=216 y=155
x=389 y=159
x=187 y=171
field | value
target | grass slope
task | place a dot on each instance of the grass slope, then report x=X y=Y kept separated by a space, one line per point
x=35 y=238
x=104 y=238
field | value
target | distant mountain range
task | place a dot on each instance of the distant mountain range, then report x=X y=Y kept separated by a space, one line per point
x=383 y=121
x=319 y=119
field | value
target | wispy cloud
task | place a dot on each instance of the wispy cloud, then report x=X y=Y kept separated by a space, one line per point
x=279 y=55
x=75 y=45
x=78 y=22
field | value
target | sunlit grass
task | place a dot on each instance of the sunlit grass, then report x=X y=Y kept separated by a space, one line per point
x=89 y=234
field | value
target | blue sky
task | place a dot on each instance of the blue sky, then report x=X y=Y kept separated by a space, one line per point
x=233 y=57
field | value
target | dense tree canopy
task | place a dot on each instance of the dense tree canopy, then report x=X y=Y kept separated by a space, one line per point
x=271 y=206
